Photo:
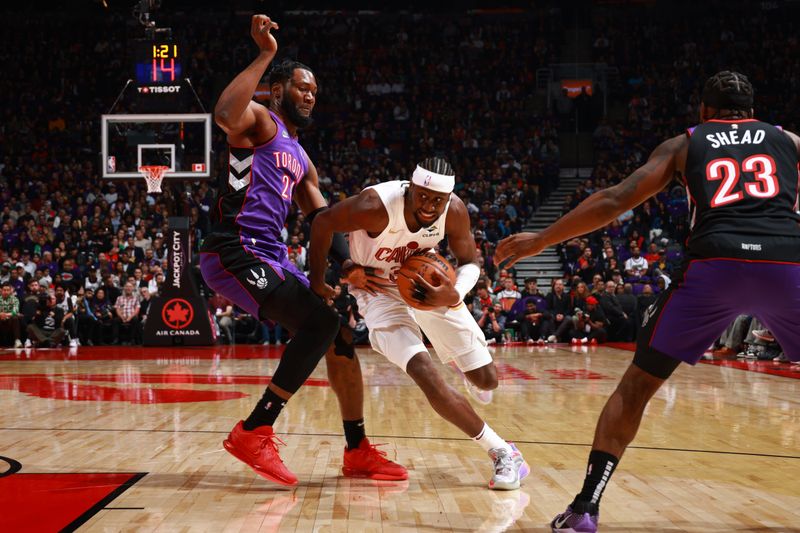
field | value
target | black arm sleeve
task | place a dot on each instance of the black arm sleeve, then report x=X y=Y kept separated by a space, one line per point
x=340 y=251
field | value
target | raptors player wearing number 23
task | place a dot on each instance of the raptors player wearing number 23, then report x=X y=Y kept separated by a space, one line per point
x=744 y=259
x=388 y=223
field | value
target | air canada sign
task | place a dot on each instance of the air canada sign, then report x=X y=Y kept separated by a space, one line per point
x=179 y=315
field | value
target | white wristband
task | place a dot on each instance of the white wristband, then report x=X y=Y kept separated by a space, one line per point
x=466 y=278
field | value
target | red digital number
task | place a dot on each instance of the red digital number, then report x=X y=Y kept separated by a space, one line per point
x=163 y=68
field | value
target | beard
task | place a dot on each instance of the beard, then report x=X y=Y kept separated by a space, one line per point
x=293 y=114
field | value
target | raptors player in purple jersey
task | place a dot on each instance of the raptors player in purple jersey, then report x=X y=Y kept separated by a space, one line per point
x=244 y=259
x=744 y=258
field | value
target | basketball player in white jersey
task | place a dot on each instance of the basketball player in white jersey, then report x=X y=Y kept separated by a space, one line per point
x=388 y=223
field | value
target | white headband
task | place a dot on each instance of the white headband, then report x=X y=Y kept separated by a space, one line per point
x=433 y=181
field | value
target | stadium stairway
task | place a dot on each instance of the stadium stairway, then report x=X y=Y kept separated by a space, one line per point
x=547 y=266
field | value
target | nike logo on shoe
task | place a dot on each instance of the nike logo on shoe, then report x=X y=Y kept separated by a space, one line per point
x=558 y=524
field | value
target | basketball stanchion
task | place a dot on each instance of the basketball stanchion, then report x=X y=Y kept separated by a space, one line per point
x=179 y=315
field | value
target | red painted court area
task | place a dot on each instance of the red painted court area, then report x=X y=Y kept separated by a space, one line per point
x=57 y=502
x=773 y=368
x=177 y=384
x=123 y=387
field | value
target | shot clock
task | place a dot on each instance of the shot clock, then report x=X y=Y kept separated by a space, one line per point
x=158 y=62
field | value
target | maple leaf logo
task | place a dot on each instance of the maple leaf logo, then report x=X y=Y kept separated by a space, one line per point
x=177 y=313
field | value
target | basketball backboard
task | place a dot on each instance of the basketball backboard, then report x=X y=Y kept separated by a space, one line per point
x=180 y=141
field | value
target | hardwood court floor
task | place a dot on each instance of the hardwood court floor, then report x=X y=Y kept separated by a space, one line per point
x=129 y=439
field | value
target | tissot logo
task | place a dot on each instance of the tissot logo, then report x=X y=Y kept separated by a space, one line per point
x=159 y=89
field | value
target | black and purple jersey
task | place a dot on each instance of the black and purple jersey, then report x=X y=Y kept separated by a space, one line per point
x=742 y=180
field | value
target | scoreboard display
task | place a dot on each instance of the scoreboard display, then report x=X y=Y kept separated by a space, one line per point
x=158 y=62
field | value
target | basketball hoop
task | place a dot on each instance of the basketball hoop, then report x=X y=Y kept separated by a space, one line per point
x=153 y=175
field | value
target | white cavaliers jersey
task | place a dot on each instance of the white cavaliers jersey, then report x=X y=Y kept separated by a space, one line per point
x=396 y=243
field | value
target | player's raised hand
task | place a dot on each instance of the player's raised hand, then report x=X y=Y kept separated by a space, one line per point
x=365 y=278
x=516 y=247
x=260 y=30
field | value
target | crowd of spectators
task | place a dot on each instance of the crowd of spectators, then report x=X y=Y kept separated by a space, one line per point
x=612 y=275
x=393 y=90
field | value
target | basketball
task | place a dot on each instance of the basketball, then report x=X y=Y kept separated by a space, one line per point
x=426 y=265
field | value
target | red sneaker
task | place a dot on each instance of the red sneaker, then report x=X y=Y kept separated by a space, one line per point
x=370 y=462
x=593 y=342
x=258 y=449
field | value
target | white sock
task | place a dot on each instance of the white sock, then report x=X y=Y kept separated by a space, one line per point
x=489 y=440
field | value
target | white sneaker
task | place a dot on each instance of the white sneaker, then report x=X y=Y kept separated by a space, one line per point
x=509 y=468
x=491 y=341
x=552 y=338
x=530 y=341
x=483 y=397
x=73 y=343
x=17 y=343
x=28 y=343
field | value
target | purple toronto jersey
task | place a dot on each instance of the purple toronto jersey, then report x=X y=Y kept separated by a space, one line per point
x=256 y=201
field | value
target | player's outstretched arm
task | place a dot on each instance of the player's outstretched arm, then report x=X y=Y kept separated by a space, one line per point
x=235 y=111
x=365 y=211
x=603 y=206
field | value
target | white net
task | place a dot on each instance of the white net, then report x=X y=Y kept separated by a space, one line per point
x=153 y=175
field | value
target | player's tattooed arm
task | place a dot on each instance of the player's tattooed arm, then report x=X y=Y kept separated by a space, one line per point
x=647 y=180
